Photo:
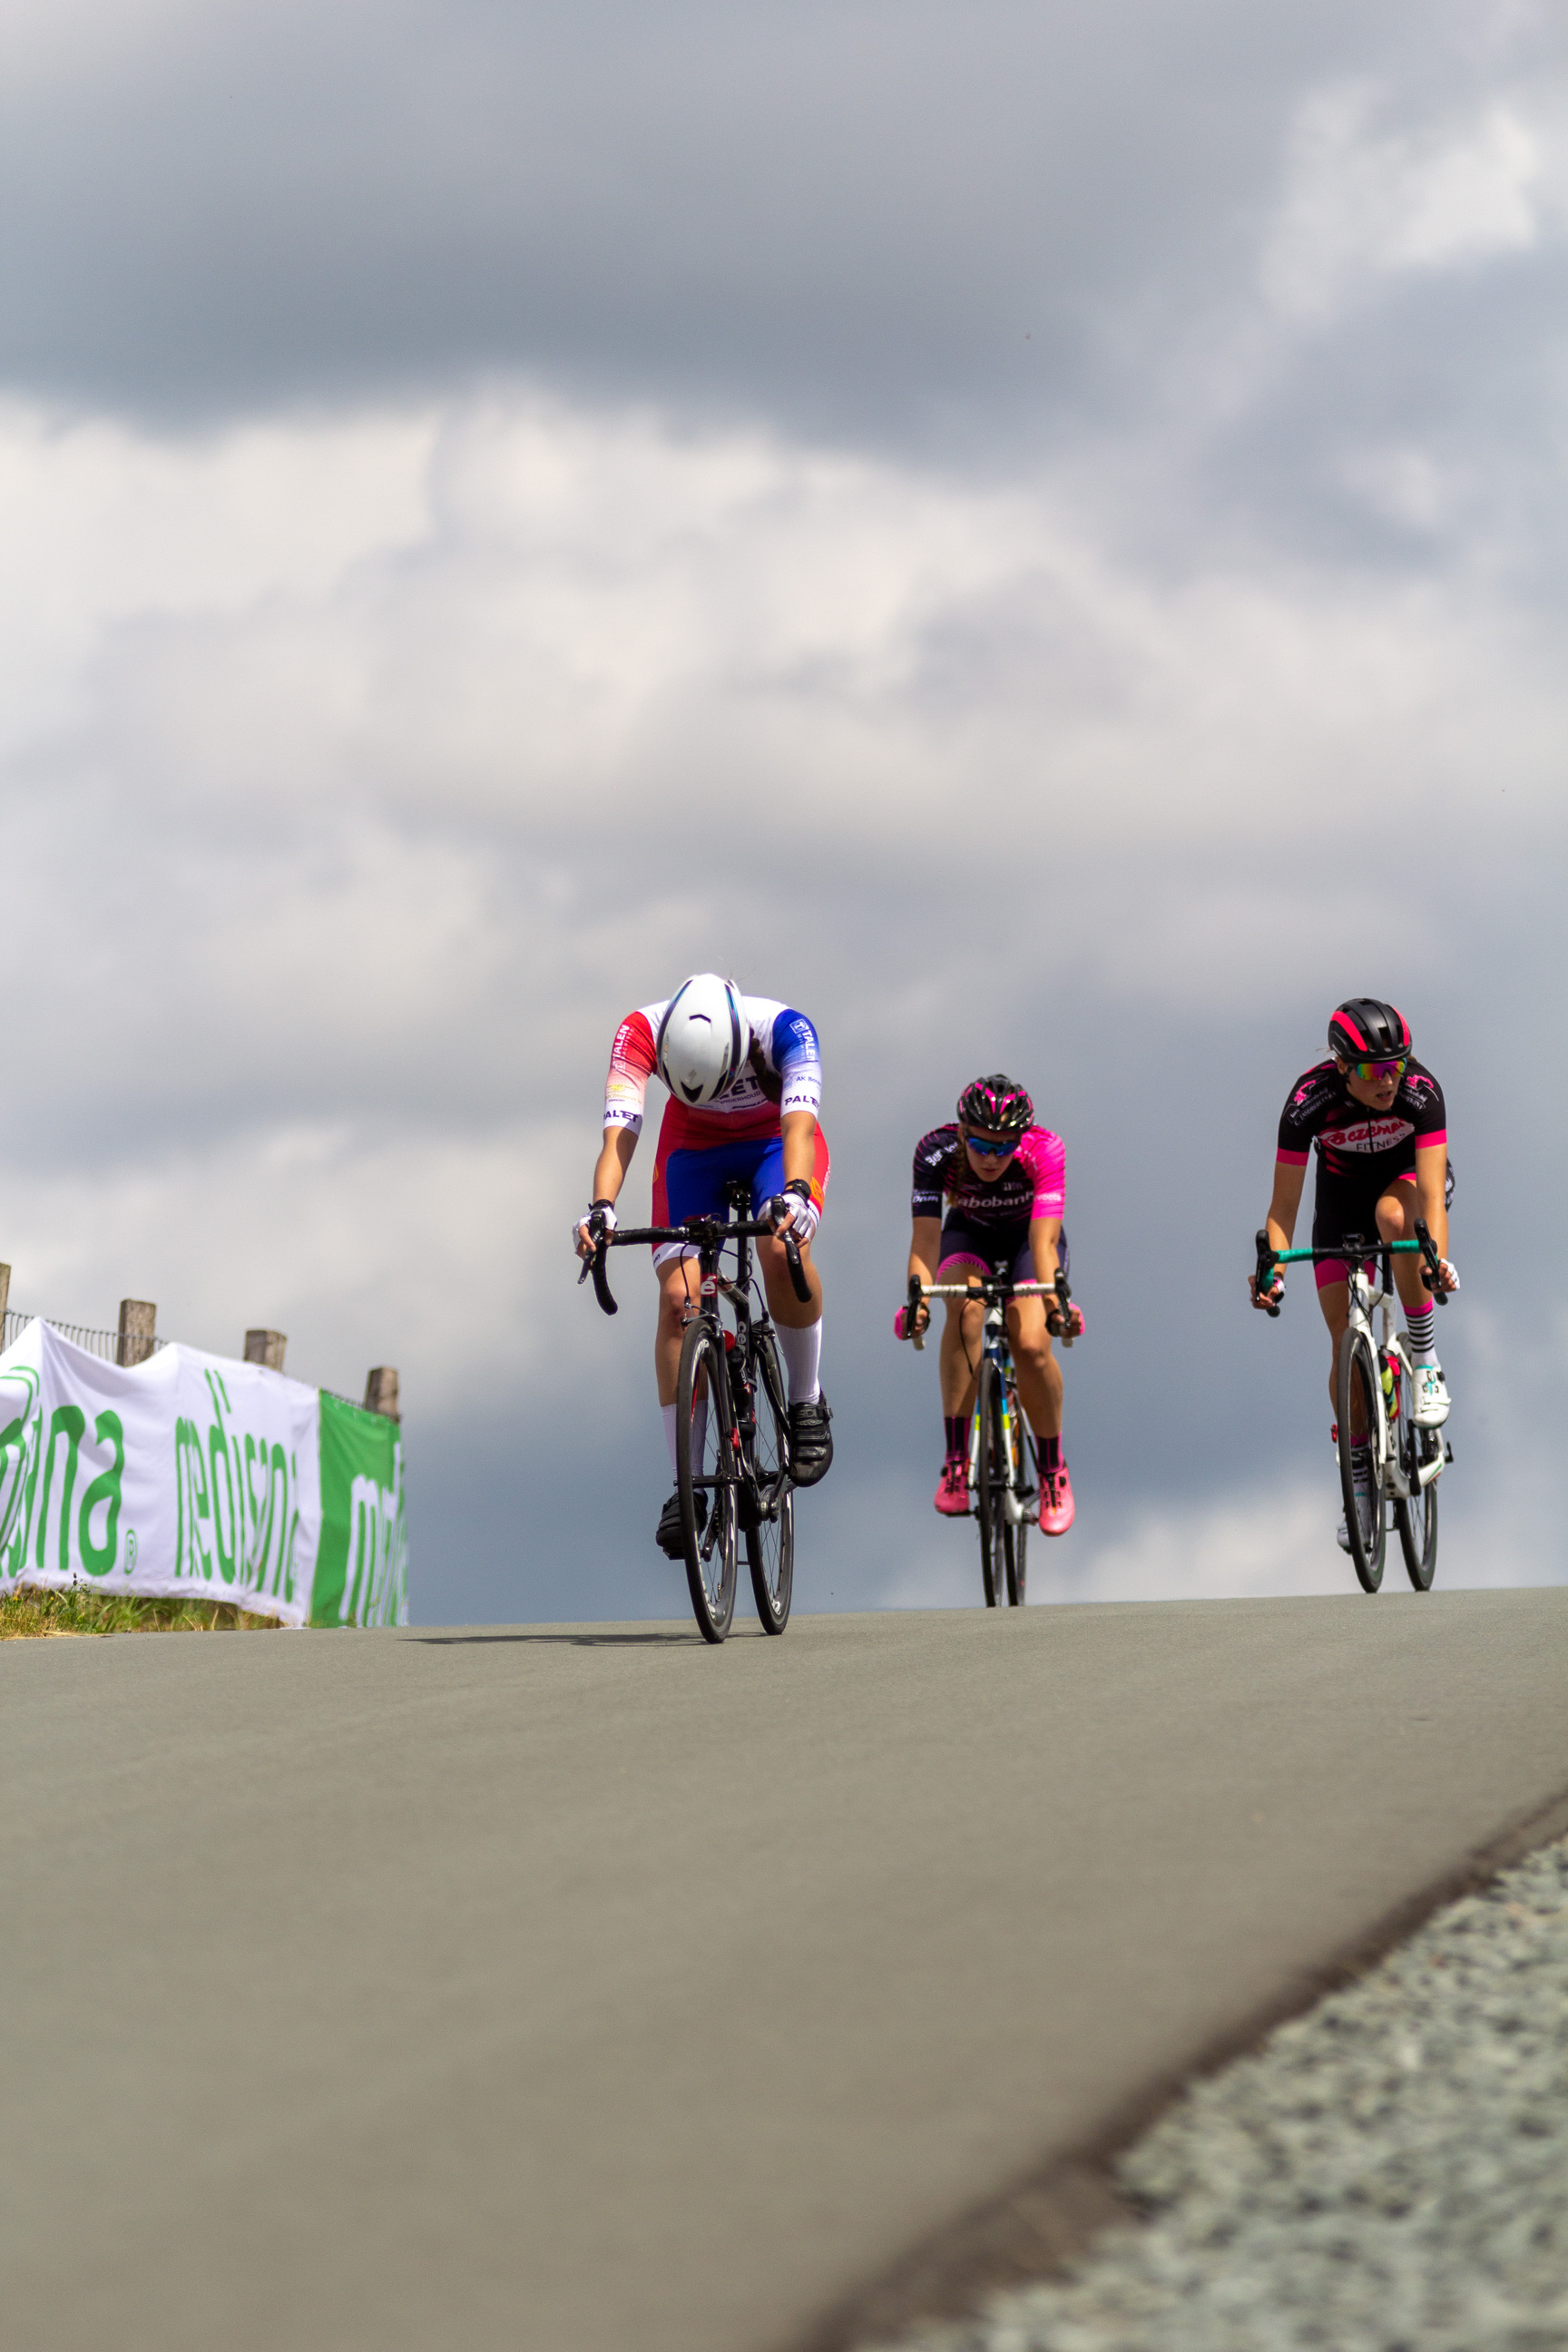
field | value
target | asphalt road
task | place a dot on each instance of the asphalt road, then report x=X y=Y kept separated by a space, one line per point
x=594 y=1992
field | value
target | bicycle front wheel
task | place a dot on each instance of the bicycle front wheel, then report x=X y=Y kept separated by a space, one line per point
x=770 y=1535
x=1016 y=1534
x=1358 y=1401
x=992 y=1482
x=704 y=1476
x=1415 y=1515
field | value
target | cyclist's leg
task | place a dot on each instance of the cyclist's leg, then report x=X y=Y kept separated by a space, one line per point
x=1039 y=1377
x=960 y=1252
x=790 y=1314
x=1336 y=1214
x=685 y=1183
x=1036 y=1365
x=797 y=1322
x=1397 y=1214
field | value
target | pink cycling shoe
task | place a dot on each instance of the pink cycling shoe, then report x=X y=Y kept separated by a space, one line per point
x=1056 y=1502
x=953 y=1489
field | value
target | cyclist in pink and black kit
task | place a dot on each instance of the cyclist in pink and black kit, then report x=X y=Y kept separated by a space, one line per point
x=1375 y=1116
x=744 y=1075
x=1004 y=1181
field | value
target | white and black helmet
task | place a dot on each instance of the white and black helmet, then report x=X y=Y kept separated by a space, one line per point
x=703 y=1039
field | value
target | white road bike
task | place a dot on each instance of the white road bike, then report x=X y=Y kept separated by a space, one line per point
x=1374 y=1389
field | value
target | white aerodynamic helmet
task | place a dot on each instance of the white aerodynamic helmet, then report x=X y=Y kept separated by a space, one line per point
x=703 y=1039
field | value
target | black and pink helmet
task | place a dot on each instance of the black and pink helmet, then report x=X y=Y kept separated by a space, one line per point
x=1364 y=1029
x=998 y=1103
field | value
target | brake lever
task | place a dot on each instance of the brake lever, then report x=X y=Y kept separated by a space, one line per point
x=1266 y=1262
x=797 y=1271
x=1432 y=1265
x=1059 y=1324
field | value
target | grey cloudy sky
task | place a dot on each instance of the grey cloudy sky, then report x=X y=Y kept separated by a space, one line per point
x=1036 y=533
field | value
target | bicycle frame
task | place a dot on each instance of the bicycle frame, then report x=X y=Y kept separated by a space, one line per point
x=1392 y=1476
x=995 y=1294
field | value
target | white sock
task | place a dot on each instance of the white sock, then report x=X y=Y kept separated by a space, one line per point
x=802 y=1352
x=699 y=1430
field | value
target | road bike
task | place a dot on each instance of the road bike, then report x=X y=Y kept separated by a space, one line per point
x=1004 y=1465
x=731 y=1418
x=1375 y=1389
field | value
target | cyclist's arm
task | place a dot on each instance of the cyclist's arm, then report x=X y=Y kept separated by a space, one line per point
x=1290 y=1178
x=609 y=1174
x=925 y=1249
x=1045 y=1233
x=1431 y=1183
x=798 y=1131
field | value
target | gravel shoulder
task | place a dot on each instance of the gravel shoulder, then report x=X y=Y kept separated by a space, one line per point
x=1389 y=2171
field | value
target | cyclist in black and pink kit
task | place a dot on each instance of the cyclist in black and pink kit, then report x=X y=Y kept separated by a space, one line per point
x=1376 y=1118
x=1003 y=1180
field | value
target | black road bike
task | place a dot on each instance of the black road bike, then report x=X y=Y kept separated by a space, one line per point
x=731 y=1418
x=1003 y=1468
x=1374 y=1391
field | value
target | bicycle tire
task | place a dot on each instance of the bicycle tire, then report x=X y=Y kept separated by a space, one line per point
x=1356 y=1371
x=709 y=1543
x=1416 y=1516
x=991 y=1485
x=1017 y=1535
x=770 y=1540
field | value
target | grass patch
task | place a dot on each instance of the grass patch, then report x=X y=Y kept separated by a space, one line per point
x=32 y=1610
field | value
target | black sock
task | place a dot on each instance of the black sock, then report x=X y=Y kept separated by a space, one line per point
x=1051 y=1453
x=956 y=1425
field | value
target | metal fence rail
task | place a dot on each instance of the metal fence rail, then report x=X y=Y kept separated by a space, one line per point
x=97 y=1343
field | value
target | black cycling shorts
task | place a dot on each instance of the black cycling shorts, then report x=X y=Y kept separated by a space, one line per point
x=995 y=1249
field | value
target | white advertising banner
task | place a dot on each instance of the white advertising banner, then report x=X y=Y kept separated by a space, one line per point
x=191 y=1475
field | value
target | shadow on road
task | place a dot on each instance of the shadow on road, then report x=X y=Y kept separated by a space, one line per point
x=572 y=1641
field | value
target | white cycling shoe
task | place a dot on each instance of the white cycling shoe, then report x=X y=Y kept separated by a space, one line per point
x=1429 y=1409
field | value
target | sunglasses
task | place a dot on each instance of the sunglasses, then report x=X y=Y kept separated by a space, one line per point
x=1367 y=1071
x=1003 y=1150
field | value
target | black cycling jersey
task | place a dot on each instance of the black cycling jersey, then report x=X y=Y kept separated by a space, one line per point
x=1360 y=1150
x=1032 y=1184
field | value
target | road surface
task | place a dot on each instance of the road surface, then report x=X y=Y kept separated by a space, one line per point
x=597 y=1991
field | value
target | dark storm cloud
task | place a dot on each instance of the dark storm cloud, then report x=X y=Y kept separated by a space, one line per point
x=862 y=219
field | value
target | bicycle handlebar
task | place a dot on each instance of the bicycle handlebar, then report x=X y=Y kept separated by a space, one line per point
x=704 y=1232
x=1353 y=1247
x=997 y=1288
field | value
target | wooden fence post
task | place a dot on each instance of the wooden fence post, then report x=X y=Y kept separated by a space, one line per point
x=266 y=1347
x=138 y=1323
x=381 y=1391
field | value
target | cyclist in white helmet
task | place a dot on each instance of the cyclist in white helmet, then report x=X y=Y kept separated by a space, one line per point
x=744 y=1075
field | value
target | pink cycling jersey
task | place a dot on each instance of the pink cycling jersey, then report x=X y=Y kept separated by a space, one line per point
x=1033 y=1184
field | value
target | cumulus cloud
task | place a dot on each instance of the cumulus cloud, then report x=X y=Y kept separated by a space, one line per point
x=1363 y=200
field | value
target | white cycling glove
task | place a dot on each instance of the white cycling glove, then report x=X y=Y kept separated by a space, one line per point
x=600 y=1219
x=805 y=1214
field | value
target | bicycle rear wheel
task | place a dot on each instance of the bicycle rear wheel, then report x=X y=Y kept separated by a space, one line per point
x=1358 y=1398
x=991 y=1485
x=704 y=1477
x=770 y=1538
x=1416 y=1516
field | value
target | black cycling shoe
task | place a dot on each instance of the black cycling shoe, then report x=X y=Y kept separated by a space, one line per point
x=670 y=1538
x=810 y=1442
